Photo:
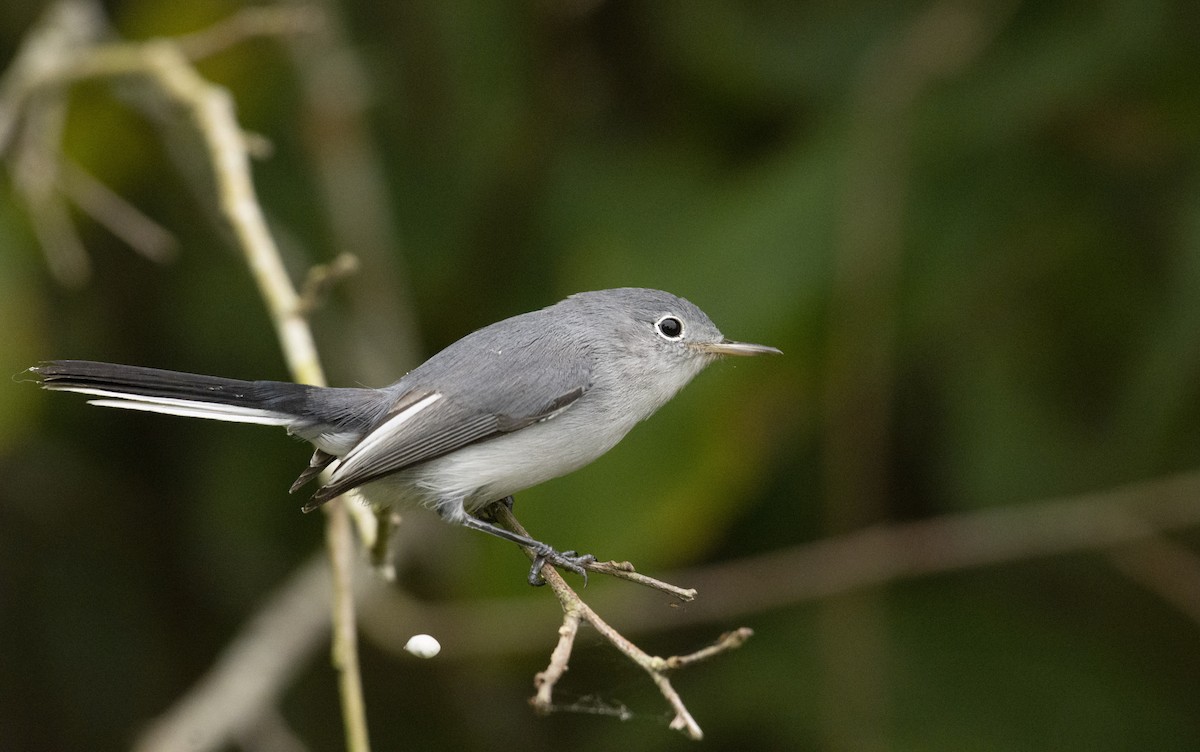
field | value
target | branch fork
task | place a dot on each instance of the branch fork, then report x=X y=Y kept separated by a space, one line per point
x=576 y=612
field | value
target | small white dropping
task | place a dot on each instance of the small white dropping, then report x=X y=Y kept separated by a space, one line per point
x=423 y=646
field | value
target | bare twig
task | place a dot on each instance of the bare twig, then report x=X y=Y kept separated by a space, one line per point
x=559 y=658
x=322 y=278
x=212 y=110
x=64 y=29
x=576 y=610
x=726 y=642
x=340 y=542
x=623 y=570
x=248 y=23
x=122 y=218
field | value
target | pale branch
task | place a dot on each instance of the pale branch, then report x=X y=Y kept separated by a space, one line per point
x=576 y=610
x=726 y=642
x=213 y=113
x=123 y=219
x=340 y=541
x=683 y=720
x=249 y=23
x=560 y=657
x=64 y=28
x=324 y=277
x=623 y=570
x=164 y=67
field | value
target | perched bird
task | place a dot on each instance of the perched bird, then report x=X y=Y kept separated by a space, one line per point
x=504 y=408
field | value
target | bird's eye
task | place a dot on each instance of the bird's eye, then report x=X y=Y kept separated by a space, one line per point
x=669 y=327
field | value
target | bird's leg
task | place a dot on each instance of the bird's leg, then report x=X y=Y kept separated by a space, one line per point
x=543 y=553
x=486 y=512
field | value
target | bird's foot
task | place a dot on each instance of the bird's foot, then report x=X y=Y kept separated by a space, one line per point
x=568 y=560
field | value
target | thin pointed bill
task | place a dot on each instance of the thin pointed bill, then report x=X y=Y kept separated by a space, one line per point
x=743 y=349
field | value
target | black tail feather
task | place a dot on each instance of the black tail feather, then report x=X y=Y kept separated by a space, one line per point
x=73 y=375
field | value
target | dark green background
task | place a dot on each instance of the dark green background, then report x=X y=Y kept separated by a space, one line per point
x=973 y=228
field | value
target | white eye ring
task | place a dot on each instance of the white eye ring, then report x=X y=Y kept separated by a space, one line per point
x=669 y=327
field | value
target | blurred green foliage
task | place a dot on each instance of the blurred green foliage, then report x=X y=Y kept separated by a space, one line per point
x=1035 y=309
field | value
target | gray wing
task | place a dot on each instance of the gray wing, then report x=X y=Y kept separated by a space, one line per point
x=486 y=384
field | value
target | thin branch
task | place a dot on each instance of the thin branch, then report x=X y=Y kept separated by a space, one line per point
x=210 y=111
x=726 y=642
x=213 y=112
x=683 y=720
x=576 y=610
x=559 y=658
x=247 y=24
x=123 y=219
x=623 y=570
x=340 y=542
x=64 y=29
x=322 y=278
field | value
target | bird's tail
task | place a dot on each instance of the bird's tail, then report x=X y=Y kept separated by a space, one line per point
x=272 y=403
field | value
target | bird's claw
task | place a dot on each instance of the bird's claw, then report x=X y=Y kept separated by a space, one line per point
x=568 y=560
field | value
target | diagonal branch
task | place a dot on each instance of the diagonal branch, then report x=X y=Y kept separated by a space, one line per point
x=576 y=610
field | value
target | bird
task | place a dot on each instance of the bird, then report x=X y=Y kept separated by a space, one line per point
x=507 y=407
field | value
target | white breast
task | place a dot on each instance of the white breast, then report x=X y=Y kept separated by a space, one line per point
x=477 y=475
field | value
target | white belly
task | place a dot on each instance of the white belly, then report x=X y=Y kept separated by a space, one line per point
x=477 y=475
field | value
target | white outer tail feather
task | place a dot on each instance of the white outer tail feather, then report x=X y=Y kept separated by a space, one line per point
x=184 y=408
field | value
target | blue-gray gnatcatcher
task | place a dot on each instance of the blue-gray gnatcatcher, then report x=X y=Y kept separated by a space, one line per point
x=507 y=407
